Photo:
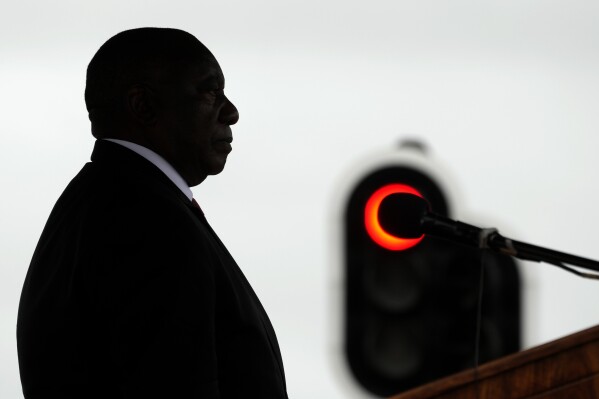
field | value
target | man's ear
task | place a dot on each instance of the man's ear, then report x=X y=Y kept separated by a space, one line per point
x=141 y=105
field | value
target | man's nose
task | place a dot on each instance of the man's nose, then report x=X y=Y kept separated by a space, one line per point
x=229 y=114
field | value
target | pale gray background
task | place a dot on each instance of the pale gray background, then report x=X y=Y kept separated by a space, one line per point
x=504 y=92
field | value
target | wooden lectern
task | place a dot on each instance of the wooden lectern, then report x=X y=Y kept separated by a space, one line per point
x=567 y=368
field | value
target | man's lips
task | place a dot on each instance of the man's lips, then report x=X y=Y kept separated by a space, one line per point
x=223 y=144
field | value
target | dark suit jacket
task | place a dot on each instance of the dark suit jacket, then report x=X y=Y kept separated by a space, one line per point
x=130 y=294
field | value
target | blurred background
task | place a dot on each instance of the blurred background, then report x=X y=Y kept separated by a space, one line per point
x=505 y=94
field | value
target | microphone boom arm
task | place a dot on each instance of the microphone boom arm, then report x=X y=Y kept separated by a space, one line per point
x=469 y=235
x=535 y=253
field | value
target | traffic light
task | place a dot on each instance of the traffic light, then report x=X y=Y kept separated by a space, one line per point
x=410 y=304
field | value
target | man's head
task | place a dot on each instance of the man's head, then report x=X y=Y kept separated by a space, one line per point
x=163 y=89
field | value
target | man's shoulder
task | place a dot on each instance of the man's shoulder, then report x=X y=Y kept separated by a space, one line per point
x=102 y=193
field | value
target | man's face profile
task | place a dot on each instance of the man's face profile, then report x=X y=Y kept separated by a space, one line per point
x=163 y=89
x=195 y=119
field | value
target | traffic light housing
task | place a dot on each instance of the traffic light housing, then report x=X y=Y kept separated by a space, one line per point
x=410 y=305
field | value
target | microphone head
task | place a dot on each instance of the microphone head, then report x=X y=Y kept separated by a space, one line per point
x=400 y=214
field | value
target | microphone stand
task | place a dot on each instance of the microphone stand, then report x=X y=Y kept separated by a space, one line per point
x=522 y=250
x=491 y=239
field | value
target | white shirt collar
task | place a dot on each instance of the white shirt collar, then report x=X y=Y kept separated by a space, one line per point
x=159 y=162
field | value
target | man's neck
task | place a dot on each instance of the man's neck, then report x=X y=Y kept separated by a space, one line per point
x=157 y=161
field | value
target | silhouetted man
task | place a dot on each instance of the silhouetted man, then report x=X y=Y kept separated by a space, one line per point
x=130 y=293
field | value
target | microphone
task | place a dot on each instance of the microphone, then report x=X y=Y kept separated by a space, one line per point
x=408 y=216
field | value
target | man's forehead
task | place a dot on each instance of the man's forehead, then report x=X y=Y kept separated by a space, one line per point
x=206 y=69
x=195 y=69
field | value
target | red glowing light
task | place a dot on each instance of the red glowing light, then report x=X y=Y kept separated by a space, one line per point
x=371 y=218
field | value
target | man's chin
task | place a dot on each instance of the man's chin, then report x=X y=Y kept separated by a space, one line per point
x=216 y=166
x=192 y=182
x=198 y=175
